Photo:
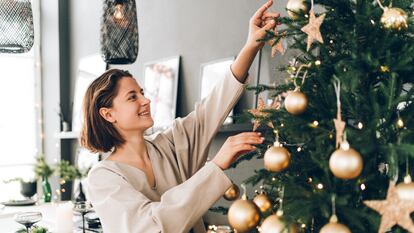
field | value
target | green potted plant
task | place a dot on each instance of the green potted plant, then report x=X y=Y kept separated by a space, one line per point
x=43 y=171
x=35 y=229
x=69 y=172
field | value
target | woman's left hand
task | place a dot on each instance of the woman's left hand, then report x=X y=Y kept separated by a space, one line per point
x=261 y=22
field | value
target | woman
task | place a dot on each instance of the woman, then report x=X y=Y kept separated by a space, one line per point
x=162 y=183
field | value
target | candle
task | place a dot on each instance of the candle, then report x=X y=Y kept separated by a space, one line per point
x=64 y=217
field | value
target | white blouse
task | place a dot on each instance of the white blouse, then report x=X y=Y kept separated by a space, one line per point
x=186 y=186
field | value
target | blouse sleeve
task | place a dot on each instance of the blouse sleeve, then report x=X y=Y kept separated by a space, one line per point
x=122 y=208
x=192 y=135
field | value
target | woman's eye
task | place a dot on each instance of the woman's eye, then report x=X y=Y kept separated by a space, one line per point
x=132 y=97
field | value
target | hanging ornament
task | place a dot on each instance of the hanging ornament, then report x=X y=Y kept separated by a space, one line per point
x=334 y=227
x=275 y=224
x=297 y=9
x=313 y=28
x=243 y=214
x=405 y=190
x=345 y=162
x=232 y=193
x=393 y=210
x=393 y=18
x=277 y=157
x=296 y=102
x=278 y=47
x=262 y=201
x=261 y=113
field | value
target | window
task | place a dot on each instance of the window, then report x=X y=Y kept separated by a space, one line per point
x=19 y=134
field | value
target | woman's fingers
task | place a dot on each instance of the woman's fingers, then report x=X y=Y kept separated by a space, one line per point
x=251 y=140
x=269 y=26
x=271 y=15
x=244 y=147
x=262 y=9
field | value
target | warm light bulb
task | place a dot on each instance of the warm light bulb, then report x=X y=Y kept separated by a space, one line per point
x=118 y=14
x=303 y=225
x=320 y=186
x=363 y=187
x=299 y=149
x=315 y=123
x=400 y=123
x=360 y=125
x=318 y=62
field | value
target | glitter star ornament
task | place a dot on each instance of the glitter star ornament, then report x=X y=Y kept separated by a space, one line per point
x=393 y=210
x=278 y=47
x=259 y=113
x=313 y=28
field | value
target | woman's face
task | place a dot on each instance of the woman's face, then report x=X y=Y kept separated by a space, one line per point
x=131 y=110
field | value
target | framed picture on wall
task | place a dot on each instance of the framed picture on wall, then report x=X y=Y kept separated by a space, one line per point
x=161 y=87
x=211 y=73
x=90 y=68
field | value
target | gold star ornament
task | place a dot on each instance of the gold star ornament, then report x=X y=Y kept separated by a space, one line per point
x=259 y=113
x=393 y=210
x=313 y=28
x=278 y=47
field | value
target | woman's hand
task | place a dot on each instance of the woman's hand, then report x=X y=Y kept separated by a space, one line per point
x=235 y=146
x=261 y=22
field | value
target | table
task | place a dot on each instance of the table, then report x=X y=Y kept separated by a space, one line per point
x=48 y=210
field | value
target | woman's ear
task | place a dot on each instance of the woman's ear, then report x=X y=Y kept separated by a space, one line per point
x=107 y=114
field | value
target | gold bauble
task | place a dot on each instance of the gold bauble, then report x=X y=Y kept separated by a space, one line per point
x=297 y=8
x=346 y=163
x=243 y=215
x=232 y=193
x=276 y=158
x=334 y=227
x=263 y=202
x=296 y=103
x=405 y=190
x=274 y=224
x=394 y=18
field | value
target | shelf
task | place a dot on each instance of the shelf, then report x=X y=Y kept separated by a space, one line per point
x=68 y=135
x=240 y=127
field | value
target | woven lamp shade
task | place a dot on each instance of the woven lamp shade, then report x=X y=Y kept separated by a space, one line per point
x=119 y=32
x=16 y=26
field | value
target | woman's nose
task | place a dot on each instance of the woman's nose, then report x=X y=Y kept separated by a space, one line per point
x=145 y=100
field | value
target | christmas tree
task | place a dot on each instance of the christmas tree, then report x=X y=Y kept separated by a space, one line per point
x=339 y=149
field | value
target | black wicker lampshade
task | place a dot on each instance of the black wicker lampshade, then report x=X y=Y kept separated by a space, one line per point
x=16 y=26
x=119 y=32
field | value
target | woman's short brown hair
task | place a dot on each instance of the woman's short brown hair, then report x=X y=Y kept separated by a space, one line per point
x=99 y=135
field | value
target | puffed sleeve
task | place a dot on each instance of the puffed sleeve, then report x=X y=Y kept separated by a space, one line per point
x=123 y=209
x=192 y=135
